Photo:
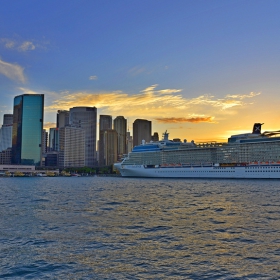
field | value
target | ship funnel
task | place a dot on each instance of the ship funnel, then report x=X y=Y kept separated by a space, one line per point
x=257 y=128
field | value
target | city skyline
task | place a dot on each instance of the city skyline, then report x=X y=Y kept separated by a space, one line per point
x=202 y=70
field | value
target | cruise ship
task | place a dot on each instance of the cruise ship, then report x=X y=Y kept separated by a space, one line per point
x=250 y=155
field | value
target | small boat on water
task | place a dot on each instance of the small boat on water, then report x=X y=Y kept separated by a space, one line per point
x=75 y=175
x=41 y=175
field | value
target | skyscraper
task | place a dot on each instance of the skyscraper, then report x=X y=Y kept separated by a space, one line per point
x=105 y=122
x=44 y=141
x=62 y=118
x=8 y=119
x=6 y=132
x=129 y=142
x=86 y=118
x=155 y=137
x=142 y=130
x=72 y=147
x=108 y=143
x=27 y=129
x=120 y=125
x=53 y=139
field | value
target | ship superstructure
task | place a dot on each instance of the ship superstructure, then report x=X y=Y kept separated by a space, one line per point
x=235 y=159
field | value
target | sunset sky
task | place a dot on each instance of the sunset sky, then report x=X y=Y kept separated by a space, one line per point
x=200 y=69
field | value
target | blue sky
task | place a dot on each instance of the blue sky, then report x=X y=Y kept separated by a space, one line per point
x=200 y=69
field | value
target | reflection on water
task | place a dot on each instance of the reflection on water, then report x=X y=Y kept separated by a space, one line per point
x=116 y=228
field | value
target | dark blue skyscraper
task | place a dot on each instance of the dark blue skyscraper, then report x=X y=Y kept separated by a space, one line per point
x=27 y=129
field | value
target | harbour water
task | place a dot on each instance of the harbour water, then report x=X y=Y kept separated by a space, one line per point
x=129 y=228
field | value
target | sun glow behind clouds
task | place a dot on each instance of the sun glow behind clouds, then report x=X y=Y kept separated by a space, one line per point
x=163 y=106
x=196 y=119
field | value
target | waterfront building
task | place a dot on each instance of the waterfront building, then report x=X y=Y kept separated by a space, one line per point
x=19 y=168
x=27 y=129
x=86 y=118
x=108 y=146
x=71 y=147
x=24 y=170
x=51 y=158
x=6 y=132
x=6 y=156
x=120 y=125
x=142 y=130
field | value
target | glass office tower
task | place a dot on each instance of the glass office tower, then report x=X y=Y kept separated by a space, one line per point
x=27 y=129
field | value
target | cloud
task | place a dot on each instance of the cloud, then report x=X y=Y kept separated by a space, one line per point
x=162 y=104
x=9 y=44
x=118 y=101
x=250 y=95
x=93 y=78
x=23 y=45
x=12 y=71
x=26 y=46
x=27 y=91
x=183 y=120
x=48 y=125
x=136 y=70
x=18 y=45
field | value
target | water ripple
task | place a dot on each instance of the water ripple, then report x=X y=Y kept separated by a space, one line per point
x=115 y=228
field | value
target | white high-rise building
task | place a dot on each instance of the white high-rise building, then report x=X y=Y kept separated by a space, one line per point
x=72 y=147
x=86 y=118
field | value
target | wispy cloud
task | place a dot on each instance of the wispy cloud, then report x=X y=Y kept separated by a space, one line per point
x=12 y=71
x=22 y=45
x=184 y=120
x=48 y=125
x=136 y=70
x=27 y=46
x=9 y=44
x=166 y=106
x=119 y=101
x=250 y=95
x=27 y=90
x=161 y=105
x=93 y=78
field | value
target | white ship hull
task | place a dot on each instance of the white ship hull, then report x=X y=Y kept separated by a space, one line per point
x=238 y=172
